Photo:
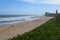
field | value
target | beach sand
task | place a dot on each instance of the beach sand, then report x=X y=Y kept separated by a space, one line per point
x=12 y=30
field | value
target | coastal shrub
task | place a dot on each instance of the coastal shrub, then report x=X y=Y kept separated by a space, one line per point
x=47 y=31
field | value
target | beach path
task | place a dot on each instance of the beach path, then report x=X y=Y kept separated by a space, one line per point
x=12 y=30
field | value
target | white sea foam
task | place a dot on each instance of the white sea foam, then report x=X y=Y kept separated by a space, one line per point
x=16 y=19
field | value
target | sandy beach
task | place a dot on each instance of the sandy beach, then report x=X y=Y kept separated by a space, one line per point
x=11 y=30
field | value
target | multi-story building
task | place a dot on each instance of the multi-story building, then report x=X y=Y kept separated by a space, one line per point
x=52 y=14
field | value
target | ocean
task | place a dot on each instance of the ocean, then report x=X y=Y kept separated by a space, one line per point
x=9 y=19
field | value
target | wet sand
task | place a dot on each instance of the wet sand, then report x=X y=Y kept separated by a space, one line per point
x=12 y=30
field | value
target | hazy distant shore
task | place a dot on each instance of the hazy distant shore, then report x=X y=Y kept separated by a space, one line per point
x=11 y=30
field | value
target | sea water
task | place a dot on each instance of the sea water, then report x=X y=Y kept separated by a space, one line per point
x=9 y=19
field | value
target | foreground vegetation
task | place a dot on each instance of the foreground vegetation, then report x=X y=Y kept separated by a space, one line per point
x=48 y=31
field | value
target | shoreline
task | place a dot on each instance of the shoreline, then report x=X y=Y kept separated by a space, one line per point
x=11 y=30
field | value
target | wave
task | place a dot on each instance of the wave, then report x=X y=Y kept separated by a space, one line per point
x=17 y=19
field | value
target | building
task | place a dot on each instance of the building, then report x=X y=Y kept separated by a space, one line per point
x=52 y=14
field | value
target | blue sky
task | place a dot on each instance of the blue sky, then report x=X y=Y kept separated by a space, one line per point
x=28 y=7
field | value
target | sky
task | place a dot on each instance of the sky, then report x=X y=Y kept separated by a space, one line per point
x=28 y=7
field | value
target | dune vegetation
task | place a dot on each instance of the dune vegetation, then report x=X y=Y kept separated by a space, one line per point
x=47 y=31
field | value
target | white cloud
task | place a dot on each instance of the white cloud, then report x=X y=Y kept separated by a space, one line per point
x=42 y=1
x=52 y=2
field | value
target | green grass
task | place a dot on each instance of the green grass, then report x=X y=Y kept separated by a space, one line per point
x=47 y=31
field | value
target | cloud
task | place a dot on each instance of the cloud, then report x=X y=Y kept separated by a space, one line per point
x=52 y=1
x=42 y=1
